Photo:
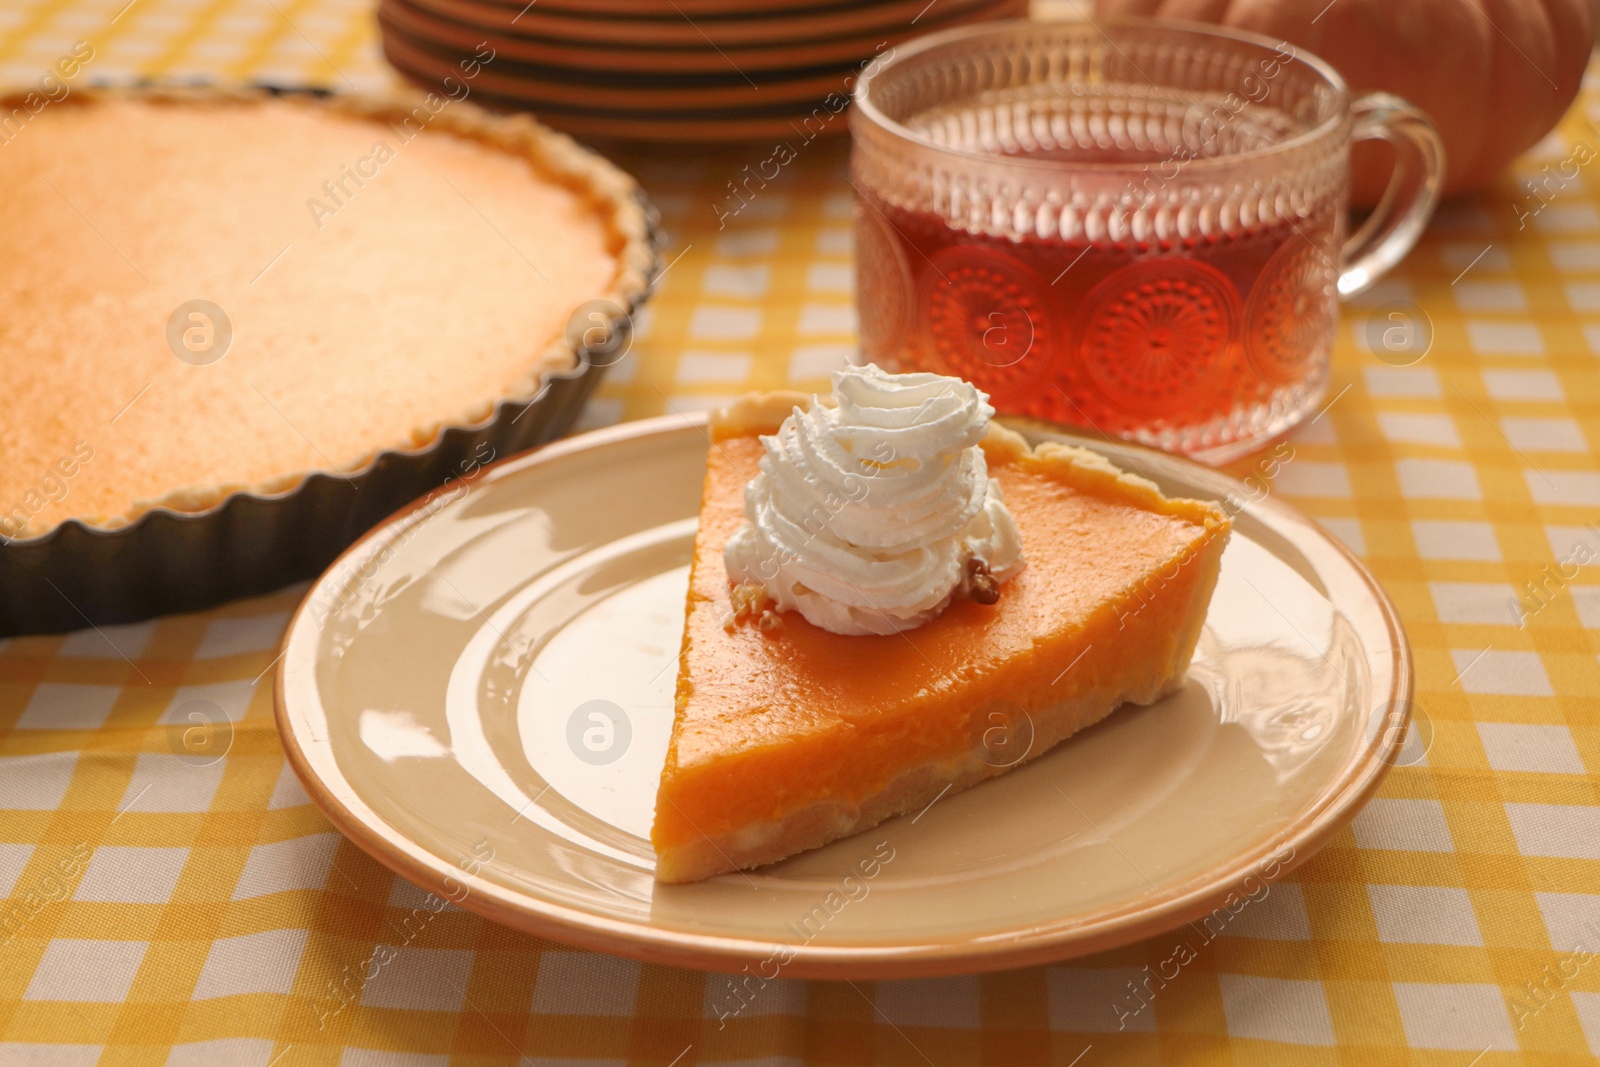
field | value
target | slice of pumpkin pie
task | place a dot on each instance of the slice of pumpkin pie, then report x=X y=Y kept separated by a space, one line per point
x=892 y=598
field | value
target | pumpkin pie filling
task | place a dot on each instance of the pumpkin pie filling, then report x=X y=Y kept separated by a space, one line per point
x=384 y=269
x=791 y=736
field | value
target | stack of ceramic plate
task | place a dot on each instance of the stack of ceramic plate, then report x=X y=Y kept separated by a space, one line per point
x=667 y=70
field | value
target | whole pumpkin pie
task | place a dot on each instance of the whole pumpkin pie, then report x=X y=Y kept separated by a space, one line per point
x=215 y=291
x=830 y=675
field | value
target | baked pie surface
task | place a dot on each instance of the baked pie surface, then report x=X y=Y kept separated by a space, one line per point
x=786 y=739
x=386 y=269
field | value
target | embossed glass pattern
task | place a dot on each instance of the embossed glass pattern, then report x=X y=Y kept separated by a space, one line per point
x=1133 y=227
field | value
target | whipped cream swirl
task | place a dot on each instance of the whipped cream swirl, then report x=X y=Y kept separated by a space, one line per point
x=866 y=512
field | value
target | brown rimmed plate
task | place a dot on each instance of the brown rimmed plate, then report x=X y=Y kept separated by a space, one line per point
x=506 y=79
x=479 y=693
x=677 y=31
x=421 y=25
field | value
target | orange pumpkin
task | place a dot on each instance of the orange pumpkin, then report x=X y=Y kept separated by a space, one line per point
x=1494 y=75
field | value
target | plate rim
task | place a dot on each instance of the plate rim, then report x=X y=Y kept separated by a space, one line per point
x=1124 y=922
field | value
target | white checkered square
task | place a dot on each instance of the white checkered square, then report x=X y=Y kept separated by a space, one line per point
x=171 y=783
x=284 y=866
x=1573 y=545
x=421 y=979
x=716 y=322
x=1348 y=531
x=1574 y=256
x=120 y=874
x=1487 y=296
x=1505 y=338
x=1586 y=598
x=1423 y=914
x=244 y=23
x=589 y=983
x=1466 y=1017
x=1513 y=746
x=223 y=1052
x=1403 y=825
x=826 y=319
x=1413 y=429
x=220 y=53
x=19 y=1054
x=1570 y=488
x=59 y=706
x=740 y=281
x=35 y=783
x=287 y=792
x=1567 y=831
x=1572 y=919
x=1474 y=602
x=1569 y=217
x=1401 y=381
x=1278 y=916
x=746 y=996
x=695 y=368
x=1591 y=337
x=13 y=860
x=948 y=1002
x=819 y=360
x=89 y=971
x=689 y=403
x=766 y=207
x=742 y=242
x=1523 y=385
x=1445 y=539
x=233 y=637
x=835 y=241
x=231 y=699
x=1437 y=479
x=1583 y=296
x=1290 y=1011
x=1502 y=673
x=252 y=963
x=1305 y=477
x=374 y=1057
x=1544 y=435
x=831 y=278
x=1098 y=1000
x=1587 y=1005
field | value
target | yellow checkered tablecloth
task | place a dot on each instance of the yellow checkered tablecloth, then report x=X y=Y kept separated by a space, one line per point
x=169 y=908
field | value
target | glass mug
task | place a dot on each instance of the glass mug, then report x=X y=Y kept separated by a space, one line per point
x=1130 y=226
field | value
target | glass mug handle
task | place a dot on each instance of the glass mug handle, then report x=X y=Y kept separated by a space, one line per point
x=1393 y=227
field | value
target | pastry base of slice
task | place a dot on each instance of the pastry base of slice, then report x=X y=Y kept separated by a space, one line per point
x=788 y=739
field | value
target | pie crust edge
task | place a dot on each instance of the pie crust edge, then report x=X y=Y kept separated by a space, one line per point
x=618 y=201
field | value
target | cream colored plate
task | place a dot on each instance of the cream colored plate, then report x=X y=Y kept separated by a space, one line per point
x=479 y=693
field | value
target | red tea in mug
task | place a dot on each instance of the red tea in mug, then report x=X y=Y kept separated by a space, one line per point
x=1154 y=338
x=1130 y=226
